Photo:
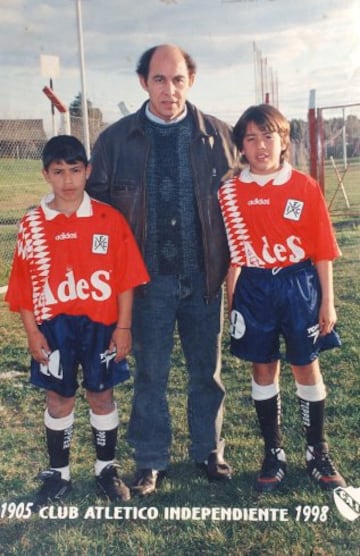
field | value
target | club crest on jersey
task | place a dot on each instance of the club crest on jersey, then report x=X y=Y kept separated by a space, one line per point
x=293 y=209
x=100 y=244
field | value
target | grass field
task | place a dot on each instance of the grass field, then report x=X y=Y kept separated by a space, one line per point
x=22 y=186
x=312 y=524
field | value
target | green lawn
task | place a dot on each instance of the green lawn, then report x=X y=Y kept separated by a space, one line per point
x=311 y=523
x=339 y=211
x=21 y=186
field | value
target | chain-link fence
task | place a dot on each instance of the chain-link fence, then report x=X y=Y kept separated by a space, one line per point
x=21 y=143
x=21 y=181
x=22 y=185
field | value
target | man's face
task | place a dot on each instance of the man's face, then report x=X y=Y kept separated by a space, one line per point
x=168 y=83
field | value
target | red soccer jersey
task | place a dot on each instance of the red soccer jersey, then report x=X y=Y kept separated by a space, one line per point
x=277 y=224
x=74 y=265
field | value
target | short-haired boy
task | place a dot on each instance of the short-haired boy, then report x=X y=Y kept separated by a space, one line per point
x=281 y=238
x=75 y=266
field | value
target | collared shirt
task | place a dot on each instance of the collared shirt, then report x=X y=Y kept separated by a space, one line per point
x=279 y=177
x=158 y=120
x=75 y=265
x=277 y=223
x=84 y=210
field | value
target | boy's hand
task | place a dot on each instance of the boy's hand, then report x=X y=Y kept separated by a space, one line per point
x=121 y=341
x=327 y=318
x=38 y=347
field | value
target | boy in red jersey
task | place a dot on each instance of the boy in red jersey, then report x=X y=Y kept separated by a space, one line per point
x=281 y=238
x=75 y=266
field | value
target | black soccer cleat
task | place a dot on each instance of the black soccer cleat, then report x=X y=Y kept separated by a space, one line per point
x=273 y=470
x=320 y=467
x=54 y=489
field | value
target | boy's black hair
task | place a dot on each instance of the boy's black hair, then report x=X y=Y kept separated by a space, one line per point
x=143 y=65
x=65 y=148
x=268 y=118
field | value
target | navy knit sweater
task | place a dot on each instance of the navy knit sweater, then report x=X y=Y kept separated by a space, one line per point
x=173 y=237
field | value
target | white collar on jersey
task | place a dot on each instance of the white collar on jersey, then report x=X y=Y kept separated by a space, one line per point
x=84 y=210
x=278 y=178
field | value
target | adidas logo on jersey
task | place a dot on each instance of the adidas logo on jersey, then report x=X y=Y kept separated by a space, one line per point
x=258 y=201
x=66 y=235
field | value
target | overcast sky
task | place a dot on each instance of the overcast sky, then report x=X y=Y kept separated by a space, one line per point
x=308 y=44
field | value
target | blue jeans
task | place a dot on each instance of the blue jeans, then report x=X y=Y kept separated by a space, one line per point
x=167 y=301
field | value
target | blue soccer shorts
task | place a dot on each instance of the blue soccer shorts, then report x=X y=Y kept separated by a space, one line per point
x=75 y=341
x=269 y=304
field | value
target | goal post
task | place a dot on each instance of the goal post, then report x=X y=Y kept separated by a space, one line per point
x=317 y=141
x=313 y=141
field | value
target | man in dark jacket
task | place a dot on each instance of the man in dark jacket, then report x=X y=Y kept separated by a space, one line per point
x=161 y=167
